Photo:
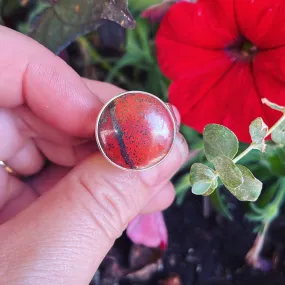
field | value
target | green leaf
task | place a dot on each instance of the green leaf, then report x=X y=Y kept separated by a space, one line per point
x=62 y=21
x=228 y=172
x=251 y=187
x=254 y=217
x=267 y=194
x=126 y=60
x=220 y=204
x=201 y=187
x=258 y=131
x=278 y=134
x=274 y=158
x=181 y=188
x=271 y=212
x=201 y=172
x=256 y=209
x=219 y=140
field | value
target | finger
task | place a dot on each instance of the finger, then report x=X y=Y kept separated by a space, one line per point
x=161 y=201
x=67 y=156
x=46 y=84
x=11 y=140
x=14 y=196
x=88 y=209
x=16 y=150
x=48 y=178
x=103 y=90
x=27 y=161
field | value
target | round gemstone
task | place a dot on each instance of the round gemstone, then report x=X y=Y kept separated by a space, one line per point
x=135 y=130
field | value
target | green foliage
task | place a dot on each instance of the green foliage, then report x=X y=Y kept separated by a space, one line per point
x=258 y=130
x=274 y=159
x=140 y=55
x=181 y=188
x=271 y=207
x=219 y=140
x=251 y=187
x=220 y=204
x=278 y=134
x=221 y=146
x=202 y=177
x=56 y=24
x=201 y=187
x=228 y=172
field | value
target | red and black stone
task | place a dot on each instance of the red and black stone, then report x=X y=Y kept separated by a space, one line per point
x=135 y=130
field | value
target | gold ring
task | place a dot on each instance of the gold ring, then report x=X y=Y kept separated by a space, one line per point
x=7 y=168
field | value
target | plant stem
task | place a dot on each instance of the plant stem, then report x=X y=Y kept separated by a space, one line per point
x=279 y=122
x=97 y=57
x=252 y=145
x=253 y=256
x=206 y=207
x=244 y=153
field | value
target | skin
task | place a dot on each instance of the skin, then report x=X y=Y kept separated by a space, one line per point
x=58 y=224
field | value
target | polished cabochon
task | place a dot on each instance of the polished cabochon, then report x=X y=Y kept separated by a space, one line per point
x=135 y=130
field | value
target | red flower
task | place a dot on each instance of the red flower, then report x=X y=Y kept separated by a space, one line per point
x=224 y=56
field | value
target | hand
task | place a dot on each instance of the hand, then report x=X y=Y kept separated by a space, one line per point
x=58 y=224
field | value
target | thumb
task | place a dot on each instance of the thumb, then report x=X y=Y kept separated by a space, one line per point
x=63 y=237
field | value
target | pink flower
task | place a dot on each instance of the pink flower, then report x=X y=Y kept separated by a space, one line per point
x=148 y=230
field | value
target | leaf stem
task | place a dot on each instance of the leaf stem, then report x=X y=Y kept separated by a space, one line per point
x=253 y=256
x=252 y=145
x=244 y=153
x=280 y=121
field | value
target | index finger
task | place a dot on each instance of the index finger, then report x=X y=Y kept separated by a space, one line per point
x=32 y=75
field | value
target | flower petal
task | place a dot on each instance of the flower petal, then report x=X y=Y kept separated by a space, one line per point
x=149 y=230
x=269 y=72
x=262 y=21
x=228 y=98
x=180 y=60
x=207 y=24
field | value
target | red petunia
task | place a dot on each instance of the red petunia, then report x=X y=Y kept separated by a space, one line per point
x=223 y=57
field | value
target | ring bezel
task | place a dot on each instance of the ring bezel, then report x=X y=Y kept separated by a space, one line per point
x=170 y=112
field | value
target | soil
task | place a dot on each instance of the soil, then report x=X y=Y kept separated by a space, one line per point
x=201 y=251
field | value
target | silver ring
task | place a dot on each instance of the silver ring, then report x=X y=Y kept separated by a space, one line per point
x=135 y=130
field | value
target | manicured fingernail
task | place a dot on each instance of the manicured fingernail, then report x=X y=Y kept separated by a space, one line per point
x=169 y=166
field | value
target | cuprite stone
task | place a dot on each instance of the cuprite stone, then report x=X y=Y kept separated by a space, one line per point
x=135 y=130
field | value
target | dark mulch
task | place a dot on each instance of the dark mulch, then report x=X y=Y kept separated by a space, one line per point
x=201 y=252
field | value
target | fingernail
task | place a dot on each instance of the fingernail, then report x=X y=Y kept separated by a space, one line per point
x=169 y=166
x=175 y=113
